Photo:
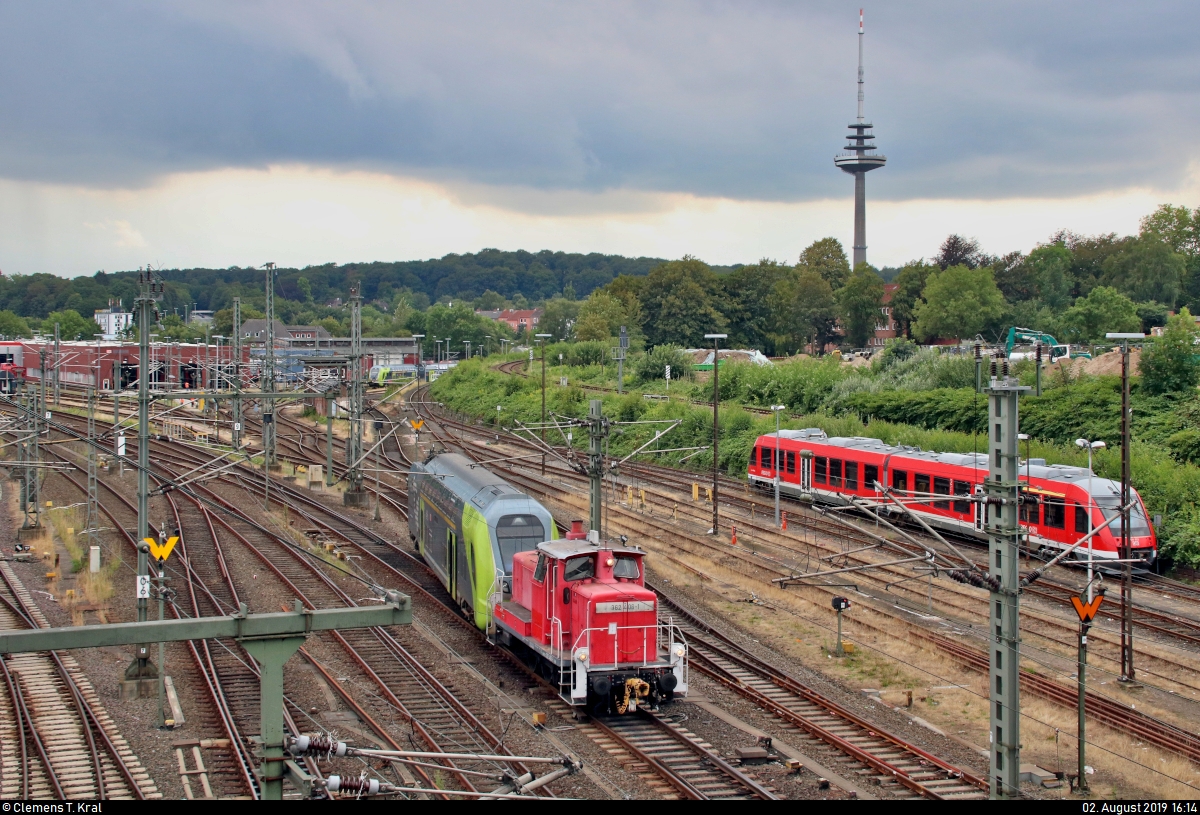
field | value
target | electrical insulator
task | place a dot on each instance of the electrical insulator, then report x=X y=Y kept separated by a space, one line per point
x=319 y=745
x=978 y=350
x=992 y=368
x=361 y=786
x=1038 y=351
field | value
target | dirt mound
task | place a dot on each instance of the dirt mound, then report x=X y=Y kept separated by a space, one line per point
x=1110 y=364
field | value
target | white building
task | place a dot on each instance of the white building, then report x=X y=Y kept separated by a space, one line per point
x=113 y=320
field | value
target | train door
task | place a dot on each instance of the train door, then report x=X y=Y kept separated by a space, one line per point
x=462 y=565
x=980 y=509
x=806 y=471
x=448 y=563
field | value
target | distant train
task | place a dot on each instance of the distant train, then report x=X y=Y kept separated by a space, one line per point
x=10 y=378
x=576 y=610
x=1055 y=498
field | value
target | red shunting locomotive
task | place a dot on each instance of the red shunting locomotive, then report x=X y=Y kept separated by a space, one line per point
x=581 y=615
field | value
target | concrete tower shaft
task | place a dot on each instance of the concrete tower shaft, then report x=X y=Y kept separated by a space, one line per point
x=859 y=158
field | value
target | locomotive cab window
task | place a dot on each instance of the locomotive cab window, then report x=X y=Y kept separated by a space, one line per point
x=821 y=467
x=870 y=476
x=941 y=486
x=852 y=475
x=791 y=461
x=627 y=567
x=517 y=533
x=835 y=472
x=539 y=571
x=1056 y=513
x=900 y=481
x=578 y=568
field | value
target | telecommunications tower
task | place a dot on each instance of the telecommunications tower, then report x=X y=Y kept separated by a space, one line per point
x=858 y=159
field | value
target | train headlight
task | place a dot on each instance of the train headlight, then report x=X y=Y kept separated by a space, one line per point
x=678 y=650
x=581 y=655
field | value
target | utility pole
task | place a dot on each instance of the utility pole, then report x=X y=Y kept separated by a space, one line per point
x=329 y=403
x=619 y=355
x=419 y=371
x=542 y=341
x=355 y=495
x=1126 y=550
x=716 y=338
x=776 y=409
x=150 y=293
x=92 y=524
x=237 y=373
x=268 y=378
x=597 y=430
x=1003 y=491
x=56 y=360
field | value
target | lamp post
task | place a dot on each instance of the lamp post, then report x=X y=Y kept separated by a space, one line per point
x=716 y=338
x=777 y=409
x=487 y=348
x=1090 y=446
x=542 y=342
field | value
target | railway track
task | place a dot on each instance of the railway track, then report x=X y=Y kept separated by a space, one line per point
x=429 y=707
x=56 y=740
x=691 y=766
x=878 y=755
x=887 y=758
x=1117 y=715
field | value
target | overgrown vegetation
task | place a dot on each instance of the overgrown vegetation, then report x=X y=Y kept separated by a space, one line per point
x=921 y=399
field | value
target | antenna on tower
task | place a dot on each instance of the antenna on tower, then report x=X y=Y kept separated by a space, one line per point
x=860 y=65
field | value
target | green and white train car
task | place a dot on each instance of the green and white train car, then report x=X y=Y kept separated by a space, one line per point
x=468 y=523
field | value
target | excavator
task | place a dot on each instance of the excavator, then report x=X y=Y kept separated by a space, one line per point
x=1026 y=339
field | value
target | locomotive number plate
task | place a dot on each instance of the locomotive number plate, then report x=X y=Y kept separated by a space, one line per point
x=630 y=605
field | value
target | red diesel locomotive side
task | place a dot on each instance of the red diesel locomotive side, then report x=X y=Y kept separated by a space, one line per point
x=1055 y=503
x=580 y=614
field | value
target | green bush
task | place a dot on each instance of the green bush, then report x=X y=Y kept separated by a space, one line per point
x=652 y=365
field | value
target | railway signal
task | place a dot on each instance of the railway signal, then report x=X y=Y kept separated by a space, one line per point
x=840 y=604
x=1087 y=612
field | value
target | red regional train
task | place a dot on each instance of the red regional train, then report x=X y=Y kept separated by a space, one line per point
x=1054 y=509
x=580 y=612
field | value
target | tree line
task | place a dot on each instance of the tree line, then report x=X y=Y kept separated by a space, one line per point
x=1073 y=287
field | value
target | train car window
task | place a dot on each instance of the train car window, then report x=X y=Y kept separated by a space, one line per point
x=921 y=483
x=627 y=567
x=578 y=568
x=1081 y=524
x=835 y=472
x=900 y=481
x=1031 y=509
x=870 y=476
x=962 y=488
x=539 y=572
x=767 y=454
x=791 y=461
x=822 y=467
x=1056 y=514
x=941 y=486
x=517 y=533
x=852 y=475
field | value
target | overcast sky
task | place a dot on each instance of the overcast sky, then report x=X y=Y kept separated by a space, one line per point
x=218 y=133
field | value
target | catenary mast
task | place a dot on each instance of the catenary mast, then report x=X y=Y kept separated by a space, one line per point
x=859 y=159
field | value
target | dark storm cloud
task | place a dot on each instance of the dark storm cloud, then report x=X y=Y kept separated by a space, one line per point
x=746 y=100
